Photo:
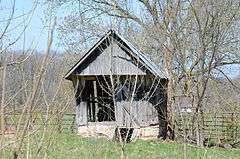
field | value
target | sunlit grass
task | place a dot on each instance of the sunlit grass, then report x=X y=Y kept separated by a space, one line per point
x=72 y=146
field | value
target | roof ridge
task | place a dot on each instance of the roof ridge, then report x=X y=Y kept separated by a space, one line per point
x=144 y=59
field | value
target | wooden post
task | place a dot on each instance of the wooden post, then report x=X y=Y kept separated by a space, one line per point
x=95 y=100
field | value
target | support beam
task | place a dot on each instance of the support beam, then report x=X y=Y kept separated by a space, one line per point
x=95 y=100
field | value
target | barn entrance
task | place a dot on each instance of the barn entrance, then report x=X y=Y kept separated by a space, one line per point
x=100 y=104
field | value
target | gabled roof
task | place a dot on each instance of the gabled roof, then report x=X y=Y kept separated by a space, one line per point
x=145 y=61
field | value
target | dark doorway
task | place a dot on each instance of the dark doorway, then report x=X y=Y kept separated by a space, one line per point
x=100 y=104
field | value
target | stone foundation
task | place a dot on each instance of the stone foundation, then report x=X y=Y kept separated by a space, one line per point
x=150 y=132
x=108 y=131
x=97 y=131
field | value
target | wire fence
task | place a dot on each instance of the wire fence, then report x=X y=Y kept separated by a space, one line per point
x=221 y=127
x=61 y=123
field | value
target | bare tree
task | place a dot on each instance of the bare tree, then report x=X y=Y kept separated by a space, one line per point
x=193 y=39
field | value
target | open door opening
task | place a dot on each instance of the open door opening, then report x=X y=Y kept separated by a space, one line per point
x=100 y=104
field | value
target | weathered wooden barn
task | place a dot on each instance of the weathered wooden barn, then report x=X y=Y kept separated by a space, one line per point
x=118 y=88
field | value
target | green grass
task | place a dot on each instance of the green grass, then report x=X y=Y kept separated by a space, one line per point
x=71 y=146
x=64 y=123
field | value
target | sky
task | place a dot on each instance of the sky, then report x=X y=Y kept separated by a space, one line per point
x=36 y=33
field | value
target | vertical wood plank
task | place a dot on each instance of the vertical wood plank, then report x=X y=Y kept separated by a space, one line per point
x=81 y=114
x=95 y=99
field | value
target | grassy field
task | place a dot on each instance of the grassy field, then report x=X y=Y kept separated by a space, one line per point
x=71 y=146
x=68 y=145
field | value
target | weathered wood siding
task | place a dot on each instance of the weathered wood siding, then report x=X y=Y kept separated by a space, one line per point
x=136 y=114
x=113 y=60
x=81 y=114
